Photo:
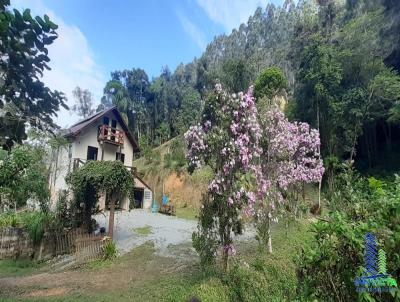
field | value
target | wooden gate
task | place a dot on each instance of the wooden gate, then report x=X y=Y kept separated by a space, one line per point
x=89 y=247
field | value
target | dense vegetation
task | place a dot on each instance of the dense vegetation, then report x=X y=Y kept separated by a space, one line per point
x=341 y=60
x=328 y=266
x=333 y=68
x=92 y=180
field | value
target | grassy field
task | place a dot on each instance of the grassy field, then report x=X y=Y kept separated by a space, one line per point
x=142 y=275
x=15 y=268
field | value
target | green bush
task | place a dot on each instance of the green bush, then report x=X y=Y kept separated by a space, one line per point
x=212 y=290
x=9 y=219
x=110 y=250
x=247 y=284
x=328 y=266
x=35 y=223
x=176 y=158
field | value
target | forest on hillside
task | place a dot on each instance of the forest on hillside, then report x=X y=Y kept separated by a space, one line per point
x=341 y=60
x=281 y=159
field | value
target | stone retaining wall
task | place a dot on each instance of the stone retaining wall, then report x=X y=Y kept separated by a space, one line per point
x=15 y=243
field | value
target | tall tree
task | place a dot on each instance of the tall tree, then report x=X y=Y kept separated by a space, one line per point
x=83 y=102
x=24 y=99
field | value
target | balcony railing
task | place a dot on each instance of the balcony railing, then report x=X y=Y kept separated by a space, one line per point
x=79 y=162
x=111 y=135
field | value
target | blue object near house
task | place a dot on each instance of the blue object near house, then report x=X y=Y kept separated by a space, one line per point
x=154 y=207
x=165 y=200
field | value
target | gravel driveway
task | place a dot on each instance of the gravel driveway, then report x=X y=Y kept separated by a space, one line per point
x=166 y=231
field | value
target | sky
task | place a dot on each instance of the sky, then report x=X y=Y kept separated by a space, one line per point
x=98 y=37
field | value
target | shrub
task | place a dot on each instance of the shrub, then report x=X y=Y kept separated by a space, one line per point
x=9 y=219
x=35 y=223
x=329 y=265
x=110 y=250
x=212 y=290
x=247 y=284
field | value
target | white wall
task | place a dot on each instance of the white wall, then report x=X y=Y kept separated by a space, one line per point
x=59 y=171
x=89 y=138
x=78 y=149
x=148 y=194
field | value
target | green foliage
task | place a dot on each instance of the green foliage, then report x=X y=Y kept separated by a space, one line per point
x=145 y=148
x=35 y=223
x=205 y=240
x=110 y=250
x=10 y=219
x=94 y=178
x=23 y=175
x=176 y=159
x=235 y=75
x=63 y=214
x=143 y=231
x=328 y=266
x=247 y=284
x=24 y=99
x=19 y=267
x=211 y=290
x=269 y=83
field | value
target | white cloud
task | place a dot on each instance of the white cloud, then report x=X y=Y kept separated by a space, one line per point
x=193 y=31
x=230 y=13
x=72 y=61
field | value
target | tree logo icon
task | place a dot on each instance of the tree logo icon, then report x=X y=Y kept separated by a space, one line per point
x=375 y=277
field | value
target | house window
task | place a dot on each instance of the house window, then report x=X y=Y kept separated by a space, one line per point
x=106 y=120
x=92 y=153
x=120 y=156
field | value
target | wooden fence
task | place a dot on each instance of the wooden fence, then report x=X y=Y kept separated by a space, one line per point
x=15 y=242
x=89 y=247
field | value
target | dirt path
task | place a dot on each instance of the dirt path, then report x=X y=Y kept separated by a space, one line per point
x=152 y=247
x=164 y=230
x=138 y=266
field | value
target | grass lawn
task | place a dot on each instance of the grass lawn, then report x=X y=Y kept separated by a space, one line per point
x=15 y=268
x=143 y=275
x=189 y=213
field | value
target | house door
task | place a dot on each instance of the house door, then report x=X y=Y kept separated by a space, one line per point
x=138 y=196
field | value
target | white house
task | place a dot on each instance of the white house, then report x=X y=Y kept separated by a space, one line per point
x=102 y=136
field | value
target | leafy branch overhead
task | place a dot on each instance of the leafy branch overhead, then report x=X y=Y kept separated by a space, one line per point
x=24 y=98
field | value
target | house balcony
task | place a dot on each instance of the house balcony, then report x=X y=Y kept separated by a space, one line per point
x=79 y=162
x=111 y=135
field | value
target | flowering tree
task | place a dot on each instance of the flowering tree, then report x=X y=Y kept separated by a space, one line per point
x=227 y=140
x=290 y=158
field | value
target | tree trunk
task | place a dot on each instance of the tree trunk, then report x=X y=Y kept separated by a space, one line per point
x=111 y=219
x=319 y=156
x=225 y=257
x=56 y=166
x=269 y=235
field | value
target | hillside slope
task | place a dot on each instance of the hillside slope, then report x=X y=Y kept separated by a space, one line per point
x=165 y=170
